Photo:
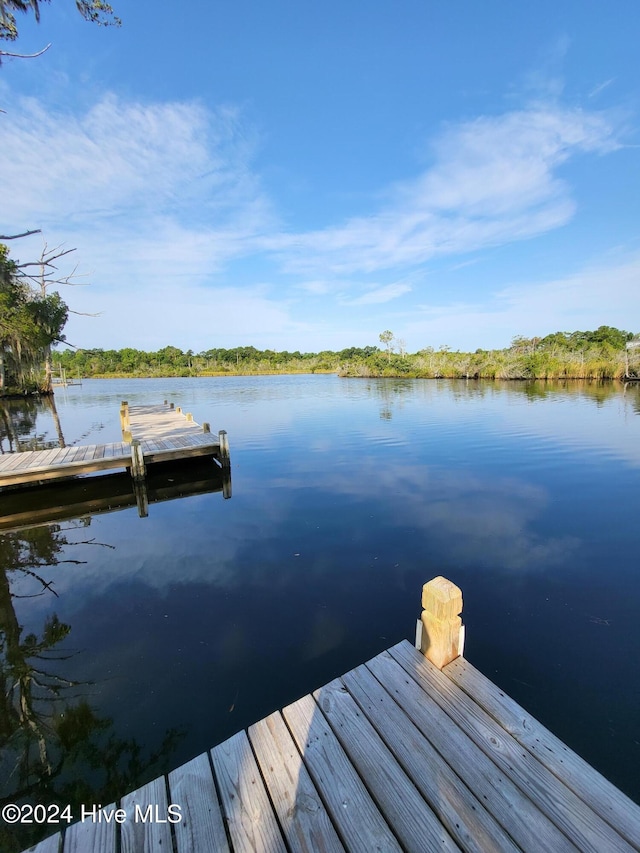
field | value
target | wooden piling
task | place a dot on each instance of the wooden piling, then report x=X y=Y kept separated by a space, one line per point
x=206 y=427
x=142 y=497
x=440 y=632
x=124 y=416
x=137 y=461
x=225 y=458
x=189 y=417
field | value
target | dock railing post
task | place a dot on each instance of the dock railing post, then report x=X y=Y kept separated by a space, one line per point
x=440 y=632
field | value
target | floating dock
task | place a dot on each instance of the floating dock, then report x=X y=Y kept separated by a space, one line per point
x=413 y=751
x=151 y=434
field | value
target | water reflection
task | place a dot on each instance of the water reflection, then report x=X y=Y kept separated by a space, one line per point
x=54 y=746
x=73 y=498
x=210 y=614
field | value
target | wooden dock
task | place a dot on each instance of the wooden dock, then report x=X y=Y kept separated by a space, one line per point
x=151 y=434
x=414 y=750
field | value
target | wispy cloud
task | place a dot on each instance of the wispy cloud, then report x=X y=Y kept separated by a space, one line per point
x=494 y=180
x=165 y=205
x=146 y=176
x=380 y=295
x=601 y=87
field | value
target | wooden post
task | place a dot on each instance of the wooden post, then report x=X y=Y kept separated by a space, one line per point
x=142 y=499
x=189 y=417
x=124 y=416
x=206 y=427
x=172 y=405
x=440 y=632
x=226 y=483
x=225 y=459
x=179 y=409
x=137 y=460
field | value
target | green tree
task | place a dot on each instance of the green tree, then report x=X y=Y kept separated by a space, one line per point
x=386 y=338
x=95 y=11
x=30 y=322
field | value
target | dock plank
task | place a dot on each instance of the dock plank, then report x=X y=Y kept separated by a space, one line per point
x=252 y=825
x=43 y=456
x=12 y=461
x=561 y=805
x=603 y=797
x=455 y=804
x=357 y=819
x=414 y=822
x=192 y=788
x=302 y=815
x=91 y=835
x=52 y=844
x=522 y=820
x=145 y=836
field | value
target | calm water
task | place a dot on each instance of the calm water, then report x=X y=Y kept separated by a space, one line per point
x=183 y=627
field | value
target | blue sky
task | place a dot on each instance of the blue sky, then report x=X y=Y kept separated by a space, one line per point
x=298 y=176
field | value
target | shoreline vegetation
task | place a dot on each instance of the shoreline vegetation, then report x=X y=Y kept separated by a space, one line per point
x=598 y=355
x=606 y=354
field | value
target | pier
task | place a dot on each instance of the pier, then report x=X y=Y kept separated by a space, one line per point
x=150 y=434
x=414 y=750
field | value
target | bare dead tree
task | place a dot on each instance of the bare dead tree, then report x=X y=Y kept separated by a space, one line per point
x=19 y=236
x=43 y=274
x=4 y=53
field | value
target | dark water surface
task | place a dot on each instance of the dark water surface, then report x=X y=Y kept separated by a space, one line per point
x=188 y=625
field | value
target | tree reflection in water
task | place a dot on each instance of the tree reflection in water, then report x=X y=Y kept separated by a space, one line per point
x=54 y=747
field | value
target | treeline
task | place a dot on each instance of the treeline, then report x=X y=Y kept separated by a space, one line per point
x=599 y=354
x=171 y=361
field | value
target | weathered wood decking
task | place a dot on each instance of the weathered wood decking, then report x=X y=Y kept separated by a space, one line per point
x=152 y=434
x=395 y=755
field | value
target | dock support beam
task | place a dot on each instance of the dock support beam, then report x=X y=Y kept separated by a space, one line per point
x=440 y=632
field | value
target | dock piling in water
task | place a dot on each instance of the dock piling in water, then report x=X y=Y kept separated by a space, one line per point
x=223 y=441
x=137 y=461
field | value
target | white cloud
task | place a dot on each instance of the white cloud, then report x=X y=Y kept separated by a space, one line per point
x=380 y=294
x=172 y=224
x=493 y=181
x=601 y=87
x=141 y=182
